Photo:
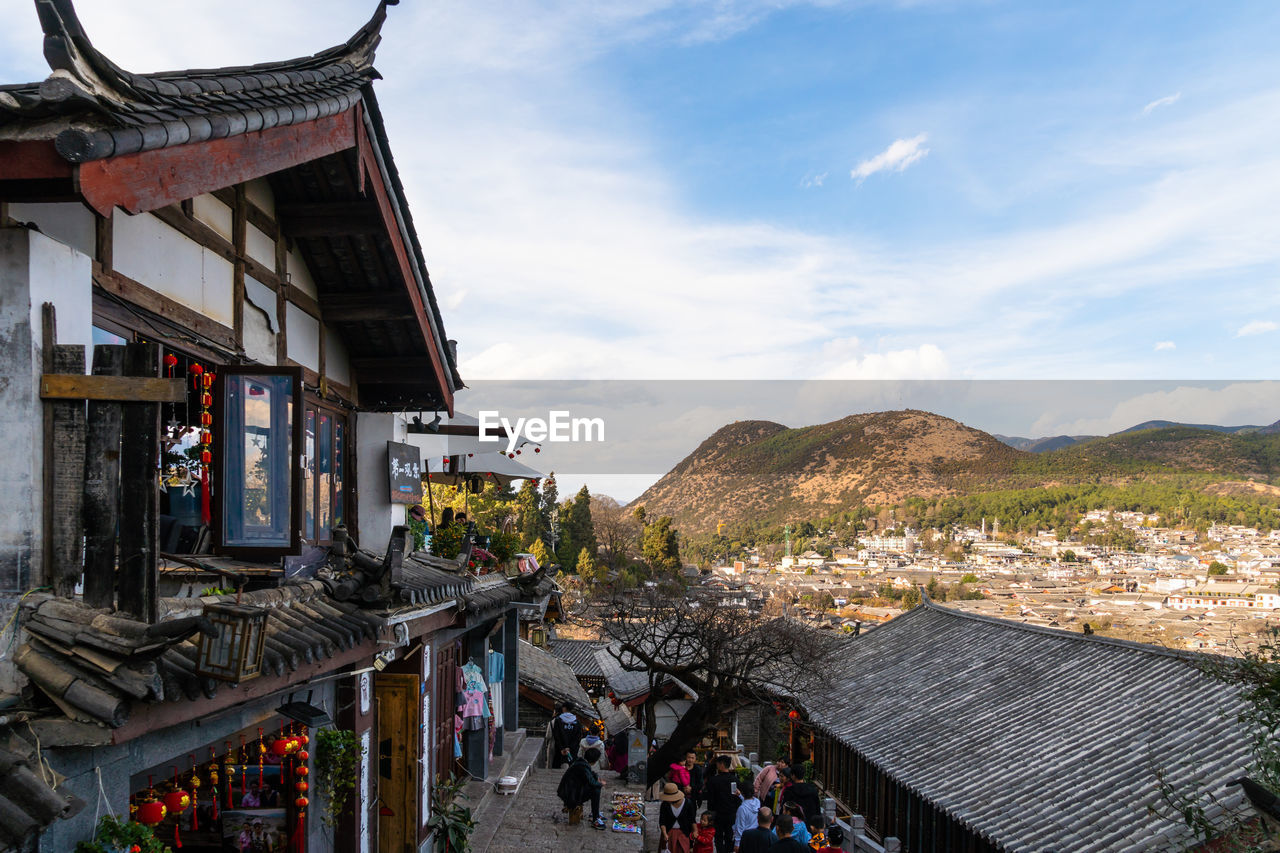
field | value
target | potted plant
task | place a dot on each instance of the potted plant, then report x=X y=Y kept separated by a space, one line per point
x=114 y=835
x=338 y=756
x=450 y=822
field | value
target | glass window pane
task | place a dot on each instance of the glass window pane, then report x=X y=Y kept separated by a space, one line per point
x=308 y=477
x=339 y=432
x=257 y=430
x=324 y=466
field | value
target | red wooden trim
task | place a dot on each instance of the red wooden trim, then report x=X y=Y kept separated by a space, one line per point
x=33 y=159
x=149 y=180
x=371 y=173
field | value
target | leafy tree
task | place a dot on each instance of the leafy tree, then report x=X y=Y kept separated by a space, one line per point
x=550 y=504
x=1216 y=568
x=968 y=577
x=661 y=547
x=588 y=569
x=528 y=508
x=910 y=598
x=540 y=552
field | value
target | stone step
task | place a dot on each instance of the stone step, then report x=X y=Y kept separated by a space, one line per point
x=492 y=806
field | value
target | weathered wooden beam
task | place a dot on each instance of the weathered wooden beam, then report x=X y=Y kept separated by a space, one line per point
x=329 y=219
x=239 y=226
x=102 y=484
x=67 y=499
x=364 y=305
x=148 y=180
x=303 y=300
x=35 y=159
x=123 y=389
x=389 y=368
x=157 y=303
x=139 y=552
x=282 y=302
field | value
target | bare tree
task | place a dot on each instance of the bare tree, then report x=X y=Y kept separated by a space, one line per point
x=617 y=531
x=726 y=655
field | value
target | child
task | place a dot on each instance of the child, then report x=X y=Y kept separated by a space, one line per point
x=704 y=835
x=835 y=838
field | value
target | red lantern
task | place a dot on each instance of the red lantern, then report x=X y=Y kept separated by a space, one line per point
x=208 y=380
x=197 y=369
x=280 y=746
x=206 y=419
x=795 y=715
x=301 y=787
x=300 y=771
x=206 y=438
x=206 y=399
x=537 y=450
x=206 y=456
x=151 y=812
x=301 y=802
x=177 y=801
x=304 y=755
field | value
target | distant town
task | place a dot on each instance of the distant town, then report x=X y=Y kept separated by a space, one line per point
x=1217 y=592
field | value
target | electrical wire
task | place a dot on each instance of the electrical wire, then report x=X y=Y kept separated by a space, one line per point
x=14 y=617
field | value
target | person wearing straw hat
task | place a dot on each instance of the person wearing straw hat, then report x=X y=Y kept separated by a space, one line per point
x=675 y=819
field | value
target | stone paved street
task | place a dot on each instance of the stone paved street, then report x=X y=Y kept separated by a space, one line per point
x=534 y=822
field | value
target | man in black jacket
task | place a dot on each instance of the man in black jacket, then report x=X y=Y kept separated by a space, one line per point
x=803 y=793
x=785 y=843
x=723 y=802
x=566 y=734
x=579 y=785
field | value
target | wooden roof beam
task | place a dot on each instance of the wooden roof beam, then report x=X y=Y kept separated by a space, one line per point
x=330 y=219
x=359 y=306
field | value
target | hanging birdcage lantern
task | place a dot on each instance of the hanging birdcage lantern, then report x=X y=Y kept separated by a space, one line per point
x=235 y=653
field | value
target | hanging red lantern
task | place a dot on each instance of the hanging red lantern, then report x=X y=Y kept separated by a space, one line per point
x=301 y=770
x=303 y=755
x=206 y=399
x=150 y=812
x=170 y=361
x=177 y=801
x=537 y=450
x=280 y=747
x=207 y=379
x=795 y=715
x=301 y=787
x=301 y=802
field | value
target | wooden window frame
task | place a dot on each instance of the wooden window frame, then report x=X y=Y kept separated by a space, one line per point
x=336 y=413
x=252 y=552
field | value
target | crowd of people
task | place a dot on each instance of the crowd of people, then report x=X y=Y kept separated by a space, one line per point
x=776 y=811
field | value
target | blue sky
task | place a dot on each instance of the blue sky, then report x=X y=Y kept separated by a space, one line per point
x=756 y=190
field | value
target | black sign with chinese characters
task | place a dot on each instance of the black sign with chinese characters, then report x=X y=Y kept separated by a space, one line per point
x=404 y=466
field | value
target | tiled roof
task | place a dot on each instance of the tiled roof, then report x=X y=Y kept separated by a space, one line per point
x=27 y=803
x=1035 y=738
x=427 y=579
x=550 y=676
x=624 y=683
x=580 y=655
x=95 y=109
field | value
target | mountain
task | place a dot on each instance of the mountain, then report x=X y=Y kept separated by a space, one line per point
x=763 y=471
x=1043 y=445
x=1233 y=430
x=766 y=473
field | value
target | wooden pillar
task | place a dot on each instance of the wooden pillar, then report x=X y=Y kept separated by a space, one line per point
x=64 y=436
x=102 y=484
x=511 y=661
x=139 y=500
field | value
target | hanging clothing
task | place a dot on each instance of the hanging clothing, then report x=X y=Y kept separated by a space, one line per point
x=497 y=672
x=475 y=704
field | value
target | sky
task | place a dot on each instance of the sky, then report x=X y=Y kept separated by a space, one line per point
x=777 y=189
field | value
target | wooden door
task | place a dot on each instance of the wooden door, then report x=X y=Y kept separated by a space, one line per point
x=398 y=714
x=444 y=703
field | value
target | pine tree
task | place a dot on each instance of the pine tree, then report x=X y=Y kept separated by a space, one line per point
x=662 y=547
x=587 y=569
x=529 y=512
x=566 y=546
x=540 y=552
x=577 y=526
x=550 y=500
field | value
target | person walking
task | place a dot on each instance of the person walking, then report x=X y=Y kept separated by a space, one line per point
x=760 y=839
x=675 y=820
x=748 y=816
x=803 y=793
x=566 y=733
x=696 y=781
x=785 y=843
x=722 y=800
x=768 y=777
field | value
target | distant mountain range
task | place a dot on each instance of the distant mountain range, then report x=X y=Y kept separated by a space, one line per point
x=1057 y=442
x=764 y=472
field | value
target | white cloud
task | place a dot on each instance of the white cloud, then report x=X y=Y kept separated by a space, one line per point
x=1256 y=327
x=844 y=359
x=813 y=181
x=897 y=157
x=1164 y=345
x=1167 y=100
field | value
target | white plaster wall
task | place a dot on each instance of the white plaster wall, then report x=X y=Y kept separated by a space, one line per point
x=260 y=247
x=377 y=514
x=259 y=192
x=67 y=222
x=34 y=269
x=152 y=253
x=213 y=213
x=337 y=363
x=303 y=337
x=300 y=276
